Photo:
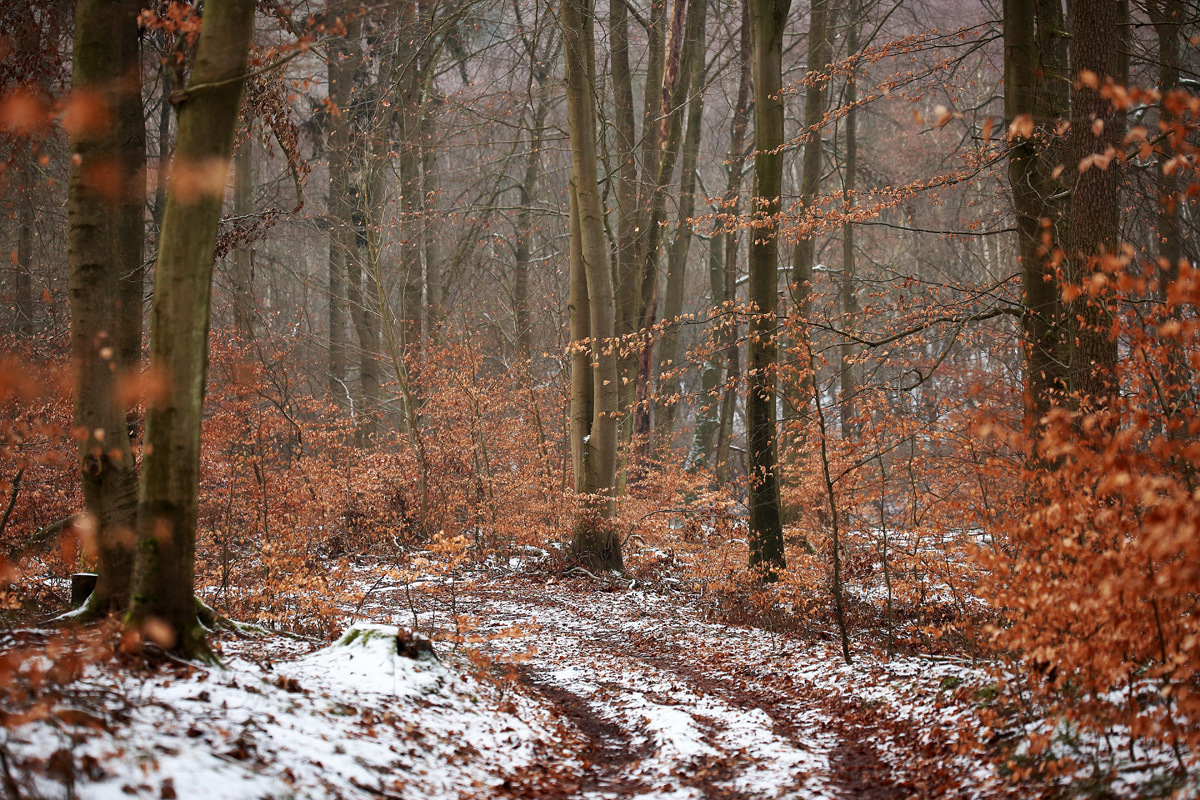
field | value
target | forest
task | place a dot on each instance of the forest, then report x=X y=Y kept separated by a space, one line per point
x=599 y=399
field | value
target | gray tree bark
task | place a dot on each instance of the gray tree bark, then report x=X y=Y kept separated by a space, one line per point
x=242 y=275
x=343 y=64
x=692 y=69
x=816 y=100
x=595 y=451
x=106 y=196
x=163 y=605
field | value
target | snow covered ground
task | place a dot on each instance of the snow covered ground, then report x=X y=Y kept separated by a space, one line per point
x=539 y=690
x=354 y=719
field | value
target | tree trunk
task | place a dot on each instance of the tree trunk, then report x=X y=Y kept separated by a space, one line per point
x=343 y=63
x=1167 y=17
x=708 y=405
x=820 y=53
x=409 y=163
x=846 y=290
x=362 y=297
x=106 y=230
x=163 y=159
x=666 y=133
x=163 y=603
x=736 y=159
x=524 y=233
x=364 y=293
x=1094 y=212
x=767 y=20
x=1035 y=101
x=25 y=234
x=595 y=538
x=627 y=206
x=691 y=82
x=431 y=229
x=242 y=275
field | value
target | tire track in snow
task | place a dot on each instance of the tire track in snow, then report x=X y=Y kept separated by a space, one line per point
x=688 y=735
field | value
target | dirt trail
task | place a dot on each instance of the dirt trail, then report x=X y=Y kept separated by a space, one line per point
x=653 y=703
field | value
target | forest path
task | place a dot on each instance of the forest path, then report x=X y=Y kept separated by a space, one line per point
x=652 y=702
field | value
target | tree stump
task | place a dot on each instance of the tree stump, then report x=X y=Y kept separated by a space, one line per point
x=82 y=585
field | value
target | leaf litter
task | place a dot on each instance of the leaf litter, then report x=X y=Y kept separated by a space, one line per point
x=544 y=690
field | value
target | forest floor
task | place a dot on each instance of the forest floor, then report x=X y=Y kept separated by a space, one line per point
x=540 y=689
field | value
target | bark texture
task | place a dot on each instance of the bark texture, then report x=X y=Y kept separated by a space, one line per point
x=1035 y=102
x=595 y=451
x=804 y=252
x=692 y=81
x=105 y=262
x=163 y=602
x=767 y=20
x=1094 y=214
x=241 y=281
x=737 y=158
x=343 y=63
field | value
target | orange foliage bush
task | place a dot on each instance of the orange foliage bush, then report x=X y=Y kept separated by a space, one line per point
x=1098 y=568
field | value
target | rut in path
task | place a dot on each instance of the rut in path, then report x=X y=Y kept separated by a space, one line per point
x=663 y=711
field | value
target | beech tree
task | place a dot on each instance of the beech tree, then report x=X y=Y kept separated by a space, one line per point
x=1035 y=101
x=106 y=234
x=163 y=603
x=1093 y=217
x=594 y=411
x=767 y=20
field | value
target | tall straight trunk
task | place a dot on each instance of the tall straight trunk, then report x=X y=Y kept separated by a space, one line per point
x=163 y=601
x=106 y=196
x=431 y=184
x=1035 y=101
x=736 y=158
x=362 y=297
x=163 y=161
x=632 y=292
x=654 y=109
x=666 y=132
x=343 y=63
x=595 y=538
x=25 y=234
x=582 y=391
x=1094 y=211
x=408 y=161
x=820 y=54
x=849 y=300
x=410 y=252
x=767 y=20
x=677 y=257
x=708 y=406
x=1167 y=17
x=242 y=275
x=524 y=233
x=363 y=292
x=625 y=144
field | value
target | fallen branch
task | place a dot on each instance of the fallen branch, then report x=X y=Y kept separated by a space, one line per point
x=43 y=535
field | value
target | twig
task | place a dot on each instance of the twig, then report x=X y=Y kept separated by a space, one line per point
x=12 y=500
x=180 y=95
